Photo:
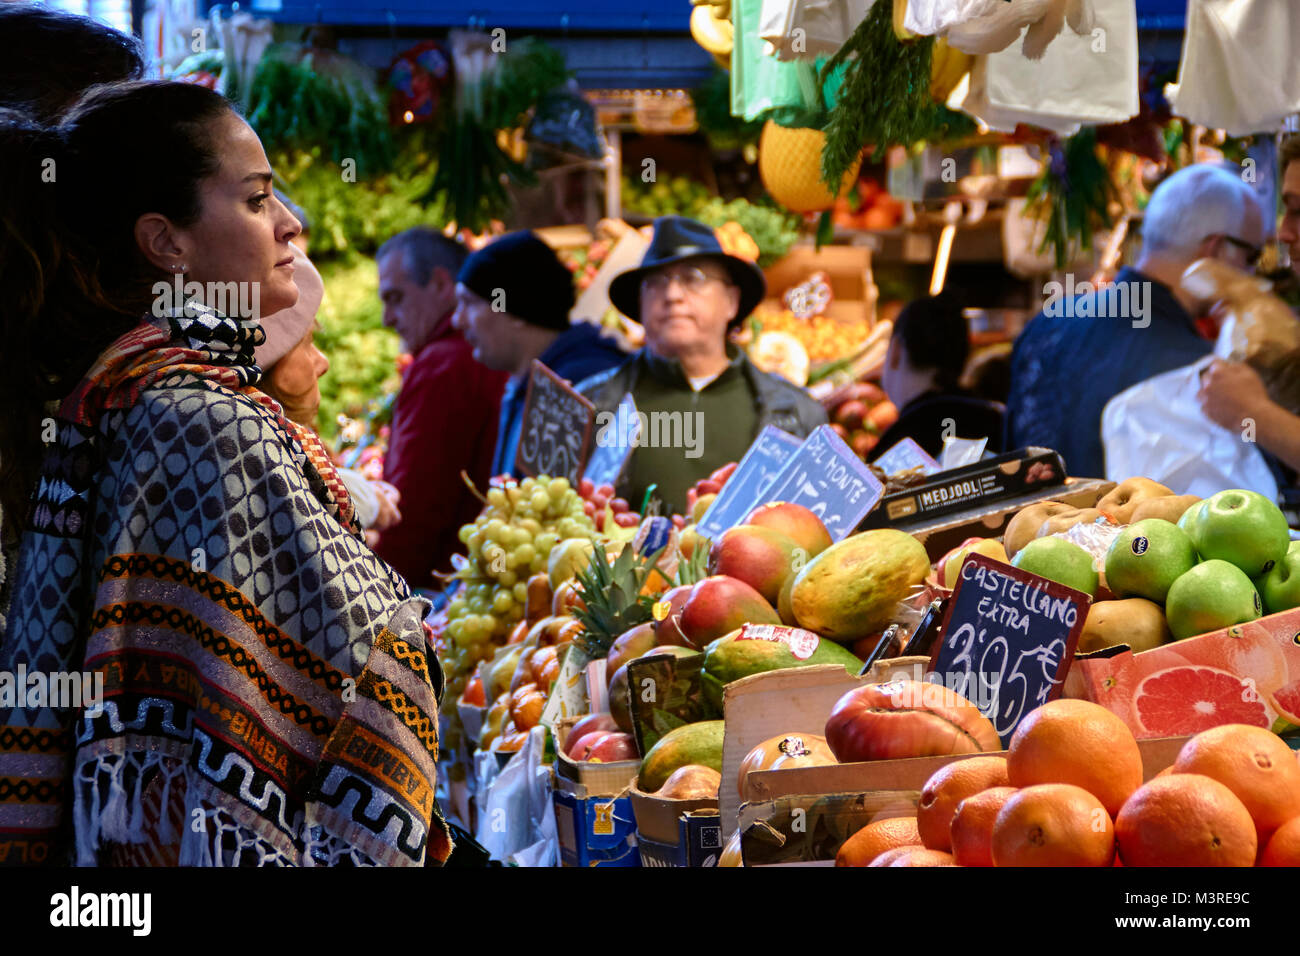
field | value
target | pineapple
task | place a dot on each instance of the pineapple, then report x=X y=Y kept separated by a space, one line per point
x=611 y=593
x=789 y=162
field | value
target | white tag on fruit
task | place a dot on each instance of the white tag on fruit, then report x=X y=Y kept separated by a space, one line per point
x=802 y=643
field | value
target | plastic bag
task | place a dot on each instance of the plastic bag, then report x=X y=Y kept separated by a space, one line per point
x=936 y=17
x=1238 y=65
x=761 y=84
x=1157 y=429
x=1256 y=326
x=1095 y=537
x=1090 y=78
x=516 y=823
x=806 y=29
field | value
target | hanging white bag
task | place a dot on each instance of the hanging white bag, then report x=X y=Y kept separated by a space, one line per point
x=1081 y=79
x=1238 y=69
x=1157 y=429
x=807 y=29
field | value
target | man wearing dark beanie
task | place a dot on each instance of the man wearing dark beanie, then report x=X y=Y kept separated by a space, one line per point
x=513 y=299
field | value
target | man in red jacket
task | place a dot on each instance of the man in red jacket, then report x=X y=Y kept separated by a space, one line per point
x=445 y=418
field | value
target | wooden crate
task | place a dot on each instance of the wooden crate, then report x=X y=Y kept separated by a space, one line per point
x=853 y=292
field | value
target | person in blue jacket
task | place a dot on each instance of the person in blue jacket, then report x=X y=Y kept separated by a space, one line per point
x=513 y=299
x=1078 y=354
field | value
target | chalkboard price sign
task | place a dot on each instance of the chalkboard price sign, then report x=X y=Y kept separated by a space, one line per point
x=615 y=441
x=747 y=485
x=827 y=478
x=556 y=432
x=1008 y=640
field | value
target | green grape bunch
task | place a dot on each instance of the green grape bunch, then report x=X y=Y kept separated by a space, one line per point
x=508 y=542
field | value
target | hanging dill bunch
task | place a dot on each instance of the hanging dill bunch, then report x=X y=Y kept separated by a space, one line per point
x=884 y=96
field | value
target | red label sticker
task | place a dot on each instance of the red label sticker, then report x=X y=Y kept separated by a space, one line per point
x=802 y=643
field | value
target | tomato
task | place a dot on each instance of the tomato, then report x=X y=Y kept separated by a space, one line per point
x=905 y=718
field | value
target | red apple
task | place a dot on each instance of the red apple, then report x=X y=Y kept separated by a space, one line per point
x=581 y=748
x=613 y=747
x=603 y=721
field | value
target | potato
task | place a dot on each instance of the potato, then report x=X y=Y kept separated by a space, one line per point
x=1023 y=528
x=1065 y=520
x=1123 y=499
x=1168 y=507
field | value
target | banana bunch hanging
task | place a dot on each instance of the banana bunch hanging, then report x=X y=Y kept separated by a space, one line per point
x=711 y=28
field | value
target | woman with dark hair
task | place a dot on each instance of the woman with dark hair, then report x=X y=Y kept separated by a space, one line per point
x=50 y=58
x=253 y=685
x=927 y=354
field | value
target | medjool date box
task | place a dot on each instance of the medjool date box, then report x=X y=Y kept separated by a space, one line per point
x=1015 y=473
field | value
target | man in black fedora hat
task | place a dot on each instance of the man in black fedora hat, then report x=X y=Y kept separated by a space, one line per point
x=703 y=401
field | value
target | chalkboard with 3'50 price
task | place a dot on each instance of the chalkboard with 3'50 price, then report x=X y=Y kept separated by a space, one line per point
x=556 y=433
x=1008 y=640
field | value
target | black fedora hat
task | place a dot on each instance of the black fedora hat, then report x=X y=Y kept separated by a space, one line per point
x=677 y=238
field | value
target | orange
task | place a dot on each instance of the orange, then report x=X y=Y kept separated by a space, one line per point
x=1053 y=824
x=875 y=838
x=1255 y=765
x=1185 y=819
x=972 y=826
x=1167 y=771
x=949 y=786
x=921 y=856
x=889 y=856
x=1074 y=741
x=1284 y=846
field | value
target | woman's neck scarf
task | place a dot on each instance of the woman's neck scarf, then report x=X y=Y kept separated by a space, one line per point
x=204 y=664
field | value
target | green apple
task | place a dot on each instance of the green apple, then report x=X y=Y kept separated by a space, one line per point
x=1190 y=522
x=1059 y=560
x=1147 y=557
x=1280 y=587
x=1212 y=595
x=1243 y=528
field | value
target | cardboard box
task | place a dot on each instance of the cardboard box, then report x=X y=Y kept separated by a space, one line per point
x=593 y=830
x=1241 y=668
x=940 y=535
x=676 y=832
x=1027 y=470
x=603 y=779
x=797 y=700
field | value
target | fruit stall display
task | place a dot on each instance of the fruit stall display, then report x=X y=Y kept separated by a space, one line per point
x=554 y=568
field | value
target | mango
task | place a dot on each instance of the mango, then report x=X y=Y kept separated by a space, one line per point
x=852 y=589
x=796 y=522
x=719 y=605
x=761 y=557
x=698 y=743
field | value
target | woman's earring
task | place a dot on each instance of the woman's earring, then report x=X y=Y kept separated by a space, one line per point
x=179 y=267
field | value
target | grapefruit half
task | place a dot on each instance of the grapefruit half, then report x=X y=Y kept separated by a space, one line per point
x=1286 y=701
x=1187 y=700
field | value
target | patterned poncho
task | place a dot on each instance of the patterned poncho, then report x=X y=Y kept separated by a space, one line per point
x=268 y=693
